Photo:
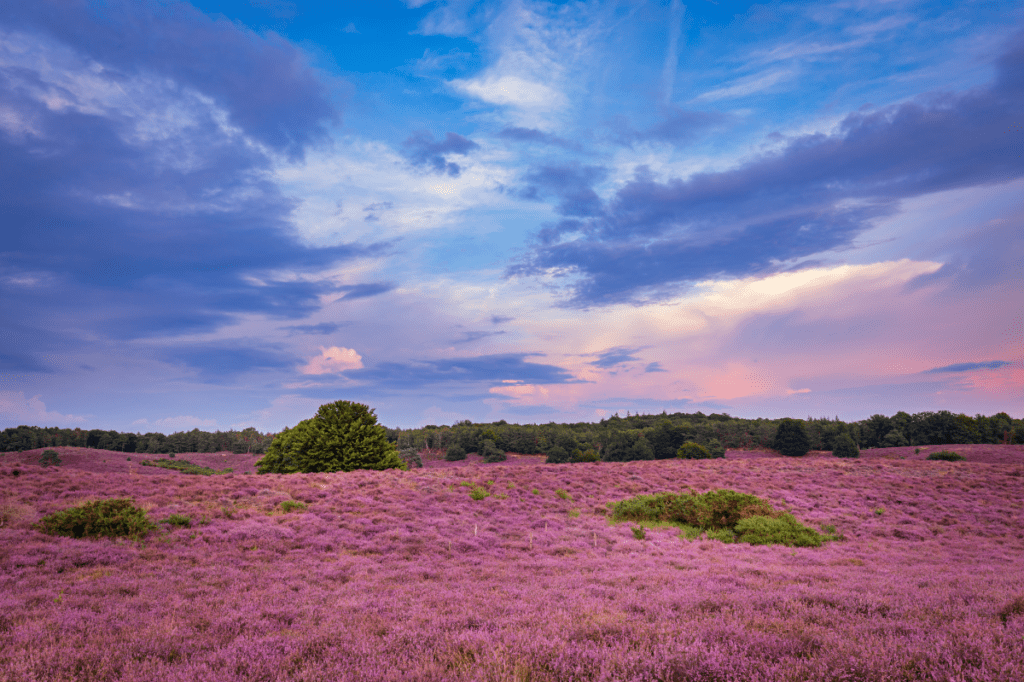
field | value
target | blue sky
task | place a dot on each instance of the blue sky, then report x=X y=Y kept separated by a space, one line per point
x=223 y=214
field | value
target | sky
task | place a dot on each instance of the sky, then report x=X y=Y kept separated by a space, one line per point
x=226 y=213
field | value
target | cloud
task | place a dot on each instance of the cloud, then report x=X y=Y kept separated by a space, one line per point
x=746 y=86
x=182 y=423
x=571 y=183
x=517 y=134
x=967 y=367
x=16 y=409
x=499 y=319
x=217 y=362
x=333 y=360
x=654 y=367
x=677 y=126
x=493 y=369
x=421 y=150
x=468 y=337
x=365 y=290
x=322 y=328
x=816 y=194
x=615 y=356
x=511 y=91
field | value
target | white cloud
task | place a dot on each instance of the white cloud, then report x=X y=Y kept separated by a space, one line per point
x=16 y=409
x=181 y=423
x=333 y=360
x=511 y=90
x=745 y=86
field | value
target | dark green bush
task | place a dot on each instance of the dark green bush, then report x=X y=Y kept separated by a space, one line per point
x=289 y=506
x=50 y=458
x=179 y=520
x=791 y=438
x=691 y=450
x=411 y=458
x=716 y=448
x=184 y=466
x=588 y=455
x=455 y=453
x=557 y=455
x=845 y=447
x=490 y=452
x=111 y=518
x=947 y=456
x=724 y=515
x=479 y=493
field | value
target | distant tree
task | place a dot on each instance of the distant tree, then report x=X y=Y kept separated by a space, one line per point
x=845 y=447
x=343 y=436
x=49 y=458
x=894 y=439
x=791 y=439
x=693 y=451
x=716 y=448
x=455 y=453
x=491 y=453
x=557 y=455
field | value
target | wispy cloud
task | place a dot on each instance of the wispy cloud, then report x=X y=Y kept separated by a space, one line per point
x=967 y=367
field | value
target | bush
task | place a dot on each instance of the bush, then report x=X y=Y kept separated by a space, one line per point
x=564 y=494
x=455 y=453
x=946 y=456
x=49 y=458
x=490 y=452
x=845 y=447
x=716 y=448
x=184 y=466
x=588 y=455
x=411 y=458
x=639 y=532
x=289 y=506
x=111 y=518
x=724 y=515
x=479 y=493
x=791 y=438
x=342 y=436
x=691 y=450
x=557 y=455
x=179 y=520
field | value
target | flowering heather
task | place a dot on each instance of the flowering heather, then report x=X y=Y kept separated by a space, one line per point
x=402 y=575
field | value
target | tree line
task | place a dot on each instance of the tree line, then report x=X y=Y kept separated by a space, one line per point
x=32 y=437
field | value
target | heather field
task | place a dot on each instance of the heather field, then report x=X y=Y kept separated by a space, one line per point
x=406 y=576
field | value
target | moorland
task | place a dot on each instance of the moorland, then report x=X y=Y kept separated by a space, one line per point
x=513 y=571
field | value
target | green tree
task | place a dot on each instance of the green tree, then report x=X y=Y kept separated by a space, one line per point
x=791 y=439
x=491 y=452
x=343 y=436
x=693 y=451
x=845 y=447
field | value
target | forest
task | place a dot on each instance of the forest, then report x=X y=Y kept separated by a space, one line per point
x=629 y=438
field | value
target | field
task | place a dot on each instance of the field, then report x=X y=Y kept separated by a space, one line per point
x=404 y=576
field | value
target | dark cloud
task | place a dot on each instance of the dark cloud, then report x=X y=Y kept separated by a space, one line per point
x=493 y=369
x=532 y=135
x=615 y=356
x=677 y=126
x=818 y=193
x=218 y=362
x=365 y=290
x=967 y=367
x=571 y=184
x=498 y=319
x=468 y=337
x=263 y=81
x=315 y=329
x=422 y=150
x=654 y=367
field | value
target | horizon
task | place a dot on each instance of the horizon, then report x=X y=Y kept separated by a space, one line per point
x=223 y=214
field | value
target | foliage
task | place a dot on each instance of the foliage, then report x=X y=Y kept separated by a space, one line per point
x=184 y=466
x=343 y=436
x=557 y=455
x=845 y=447
x=479 y=493
x=179 y=520
x=724 y=515
x=639 y=532
x=455 y=453
x=118 y=517
x=49 y=458
x=588 y=455
x=716 y=448
x=946 y=456
x=411 y=458
x=791 y=438
x=288 y=506
x=490 y=452
x=627 y=446
x=693 y=451
x=564 y=494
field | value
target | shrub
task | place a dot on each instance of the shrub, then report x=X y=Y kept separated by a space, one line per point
x=639 y=532
x=455 y=453
x=946 y=456
x=111 y=518
x=1012 y=609
x=479 y=493
x=50 y=458
x=716 y=448
x=179 y=520
x=184 y=466
x=691 y=450
x=563 y=494
x=588 y=455
x=411 y=458
x=724 y=515
x=791 y=438
x=490 y=452
x=342 y=436
x=289 y=506
x=845 y=447
x=557 y=455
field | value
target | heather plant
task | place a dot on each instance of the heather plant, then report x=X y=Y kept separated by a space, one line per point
x=342 y=436
x=1013 y=609
x=791 y=438
x=49 y=458
x=845 y=447
x=455 y=453
x=946 y=456
x=111 y=518
x=691 y=450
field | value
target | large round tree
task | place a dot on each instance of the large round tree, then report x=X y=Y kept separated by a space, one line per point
x=343 y=436
x=791 y=438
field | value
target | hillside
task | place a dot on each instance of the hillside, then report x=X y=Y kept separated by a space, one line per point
x=403 y=576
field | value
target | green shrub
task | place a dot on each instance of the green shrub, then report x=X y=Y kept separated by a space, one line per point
x=289 y=506
x=716 y=448
x=845 y=447
x=563 y=494
x=491 y=453
x=791 y=438
x=557 y=455
x=639 y=532
x=455 y=453
x=411 y=458
x=50 y=458
x=691 y=450
x=946 y=456
x=110 y=518
x=479 y=493
x=184 y=466
x=179 y=520
x=724 y=515
x=588 y=455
